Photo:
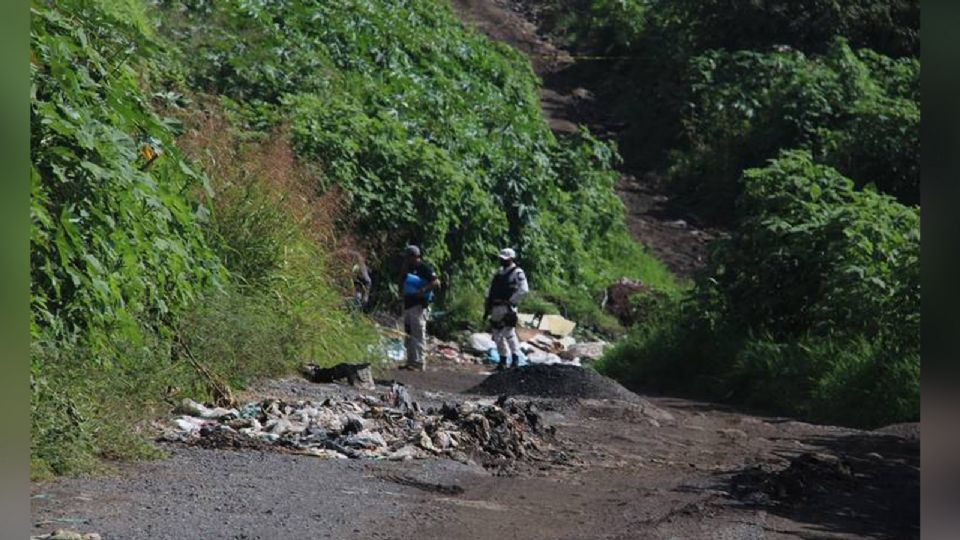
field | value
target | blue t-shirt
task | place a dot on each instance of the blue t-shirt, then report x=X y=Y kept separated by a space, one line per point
x=416 y=278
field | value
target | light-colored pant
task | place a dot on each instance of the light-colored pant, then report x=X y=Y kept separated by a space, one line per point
x=415 y=325
x=505 y=337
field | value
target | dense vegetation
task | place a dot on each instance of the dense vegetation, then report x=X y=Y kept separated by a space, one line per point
x=791 y=124
x=286 y=133
x=201 y=172
x=434 y=134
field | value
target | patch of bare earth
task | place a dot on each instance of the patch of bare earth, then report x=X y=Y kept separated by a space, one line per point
x=642 y=468
x=567 y=99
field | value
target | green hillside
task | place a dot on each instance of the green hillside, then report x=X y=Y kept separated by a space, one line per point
x=288 y=134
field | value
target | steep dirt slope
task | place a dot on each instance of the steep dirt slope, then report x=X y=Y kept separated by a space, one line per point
x=567 y=101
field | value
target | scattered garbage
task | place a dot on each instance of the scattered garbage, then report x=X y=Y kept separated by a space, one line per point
x=538 y=356
x=481 y=342
x=527 y=320
x=357 y=375
x=391 y=426
x=396 y=350
x=493 y=357
x=526 y=334
x=557 y=325
x=553 y=381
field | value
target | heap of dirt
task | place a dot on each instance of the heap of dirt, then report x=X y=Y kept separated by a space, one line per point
x=553 y=381
x=808 y=475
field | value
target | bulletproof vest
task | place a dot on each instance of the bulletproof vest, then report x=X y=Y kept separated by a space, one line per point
x=503 y=285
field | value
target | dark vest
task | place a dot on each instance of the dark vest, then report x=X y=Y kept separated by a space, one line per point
x=502 y=289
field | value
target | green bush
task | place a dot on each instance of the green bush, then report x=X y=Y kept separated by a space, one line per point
x=746 y=106
x=433 y=132
x=810 y=308
x=462 y=311
x=812 y=253
x=711 y=88
x=112 y=244
x=892 y=28
x=127 y=258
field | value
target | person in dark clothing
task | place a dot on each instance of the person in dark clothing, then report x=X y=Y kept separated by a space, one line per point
x=418 y=281
x=508 y=286
x=361 y=283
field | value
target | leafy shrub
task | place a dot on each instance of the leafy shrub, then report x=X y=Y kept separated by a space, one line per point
x=810 y=308
x=126 y=257
x=117 y=250
x=811 y=253
x=462 y=311
x=891 y=28
x=111 y=244
x=432 y=132
x=747 y=106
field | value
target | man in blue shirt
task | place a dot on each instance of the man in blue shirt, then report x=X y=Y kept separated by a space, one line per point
x=418 y=280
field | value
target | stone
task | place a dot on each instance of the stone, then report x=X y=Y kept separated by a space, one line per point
x=582 y=93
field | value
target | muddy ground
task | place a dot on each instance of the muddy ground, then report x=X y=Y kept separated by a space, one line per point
x=652 y=468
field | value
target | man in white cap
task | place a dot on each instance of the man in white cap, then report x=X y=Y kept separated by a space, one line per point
x=508 y=286
x=417 y=282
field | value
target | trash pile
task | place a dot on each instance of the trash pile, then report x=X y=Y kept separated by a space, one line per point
x=391 y=426
x=544 y=339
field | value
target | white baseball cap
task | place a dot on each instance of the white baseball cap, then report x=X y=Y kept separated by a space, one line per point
x=508 y=253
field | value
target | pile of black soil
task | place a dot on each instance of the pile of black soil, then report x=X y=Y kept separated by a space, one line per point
x=808 y=475
x=553 y=381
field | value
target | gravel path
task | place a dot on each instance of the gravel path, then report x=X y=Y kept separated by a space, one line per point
x=656 y=468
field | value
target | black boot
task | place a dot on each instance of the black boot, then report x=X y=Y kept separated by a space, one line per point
x=515 y=361
x=502 y=365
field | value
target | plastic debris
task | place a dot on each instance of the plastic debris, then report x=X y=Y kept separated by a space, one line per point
x=557 y=325
x=391 y=426
x=481 y=342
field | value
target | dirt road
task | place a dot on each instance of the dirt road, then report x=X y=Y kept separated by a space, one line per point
x=567 y=100
x=655 y=468
x=658 y=468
